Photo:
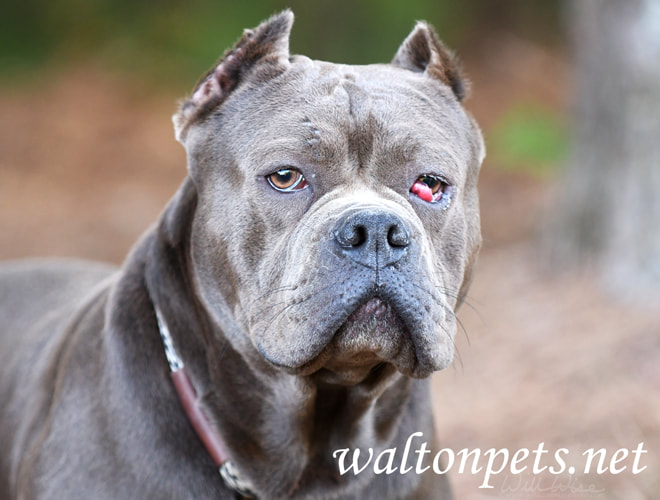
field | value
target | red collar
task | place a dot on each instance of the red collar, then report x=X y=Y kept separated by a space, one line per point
x=191 y=406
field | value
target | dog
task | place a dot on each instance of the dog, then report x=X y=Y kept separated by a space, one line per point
x=292 y=299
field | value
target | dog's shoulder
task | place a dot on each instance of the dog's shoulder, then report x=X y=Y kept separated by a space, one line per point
x=38 y=299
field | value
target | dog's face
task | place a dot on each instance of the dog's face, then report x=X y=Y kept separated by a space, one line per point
x=337 y=217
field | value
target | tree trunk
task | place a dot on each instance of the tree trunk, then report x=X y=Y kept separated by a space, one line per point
x=608 y=208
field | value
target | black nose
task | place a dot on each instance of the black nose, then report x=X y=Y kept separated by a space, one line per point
x=372 y=237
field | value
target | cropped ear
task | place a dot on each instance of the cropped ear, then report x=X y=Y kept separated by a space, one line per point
x=423 y=52
x=264 y=48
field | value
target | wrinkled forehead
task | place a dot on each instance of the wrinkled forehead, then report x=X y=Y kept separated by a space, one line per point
x=333 y=112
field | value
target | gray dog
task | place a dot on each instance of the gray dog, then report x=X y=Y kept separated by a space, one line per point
x=292 y=300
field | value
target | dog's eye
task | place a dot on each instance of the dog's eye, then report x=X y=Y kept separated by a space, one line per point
x=431 y=189
x=287 y=180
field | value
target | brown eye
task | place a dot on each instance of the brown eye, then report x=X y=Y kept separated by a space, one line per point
x=287 y=180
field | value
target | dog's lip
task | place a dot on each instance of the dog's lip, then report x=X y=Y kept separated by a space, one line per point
x=370 y=306
x=306 y=368
x=350 y=357
x=373 y=306
x=418 y=361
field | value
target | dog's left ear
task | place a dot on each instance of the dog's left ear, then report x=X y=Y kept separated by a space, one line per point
x=262 y=51
x=423 y=52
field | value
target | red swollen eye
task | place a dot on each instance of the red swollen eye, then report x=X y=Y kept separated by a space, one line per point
x=429 y=188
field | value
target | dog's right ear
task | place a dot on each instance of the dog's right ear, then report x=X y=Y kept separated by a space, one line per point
x=264 y=49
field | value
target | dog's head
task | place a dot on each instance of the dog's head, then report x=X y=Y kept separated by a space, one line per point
x=337 y=218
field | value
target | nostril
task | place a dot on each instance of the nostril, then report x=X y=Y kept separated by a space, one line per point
x=397 y=236
x=351 y=236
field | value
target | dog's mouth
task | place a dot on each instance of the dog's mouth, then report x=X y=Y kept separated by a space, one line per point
x=372 y=336
x=346 y=340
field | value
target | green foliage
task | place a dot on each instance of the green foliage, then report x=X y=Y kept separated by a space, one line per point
x=175 y=41
x=528 y=137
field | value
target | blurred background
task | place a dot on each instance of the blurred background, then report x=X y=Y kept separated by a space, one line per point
x=560 y=338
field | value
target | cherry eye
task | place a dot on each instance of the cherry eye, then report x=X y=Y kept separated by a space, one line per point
x=431 y=189
x=287 y=180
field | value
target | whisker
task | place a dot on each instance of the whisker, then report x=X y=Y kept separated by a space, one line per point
x=457 y=351
x=297 y=302
x=275 y=290
x=446 y=308
x=460 y=323
x=452 y=294
x=472 y=303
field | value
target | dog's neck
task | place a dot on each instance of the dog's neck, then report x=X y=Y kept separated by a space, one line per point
x=280 y=430
x=190 y=403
